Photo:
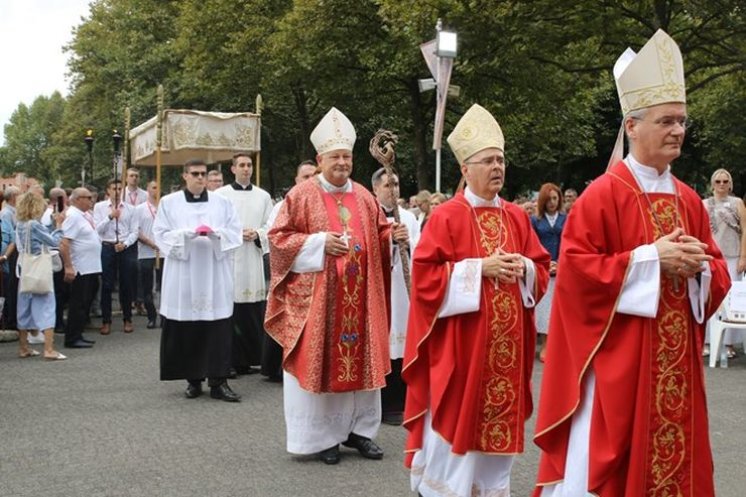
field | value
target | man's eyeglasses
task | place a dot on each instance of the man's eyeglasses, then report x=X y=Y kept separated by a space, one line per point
x=722 y=181
x=488 y=161
x=669 y=122
x=197 y=174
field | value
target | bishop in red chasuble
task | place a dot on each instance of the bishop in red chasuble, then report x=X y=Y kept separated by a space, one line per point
x=623 y=411
x=477 y=273
x=327 y=308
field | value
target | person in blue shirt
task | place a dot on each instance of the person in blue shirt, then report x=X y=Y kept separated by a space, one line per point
x=548 y=224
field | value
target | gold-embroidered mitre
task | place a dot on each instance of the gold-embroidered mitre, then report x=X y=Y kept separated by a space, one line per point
x=334 y=132
x=474 y=132
x=652 y=77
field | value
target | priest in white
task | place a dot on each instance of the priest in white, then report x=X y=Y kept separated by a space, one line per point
x=253 y=206
x=196 y=234
x=386 y=191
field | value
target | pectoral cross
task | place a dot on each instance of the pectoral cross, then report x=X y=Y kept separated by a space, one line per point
x=346 y=237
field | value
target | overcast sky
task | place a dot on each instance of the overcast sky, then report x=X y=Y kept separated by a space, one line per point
x=32 y=34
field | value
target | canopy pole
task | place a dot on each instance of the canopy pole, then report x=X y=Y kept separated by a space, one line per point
x=258 y=164
x=158 y=142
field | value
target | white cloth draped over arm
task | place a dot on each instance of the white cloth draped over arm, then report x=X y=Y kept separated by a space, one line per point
x=465 y=287
x=641 y=290
x=698 y=292
x=526 y=284
x=311 y=257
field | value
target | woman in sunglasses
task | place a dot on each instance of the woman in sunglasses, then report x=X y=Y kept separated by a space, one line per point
x=728 y=223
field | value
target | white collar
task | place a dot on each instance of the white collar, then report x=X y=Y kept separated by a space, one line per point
x=347 y=187
x=649 y=178
x=477 y=201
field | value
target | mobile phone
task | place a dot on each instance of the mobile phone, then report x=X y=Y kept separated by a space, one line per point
x=60 y=204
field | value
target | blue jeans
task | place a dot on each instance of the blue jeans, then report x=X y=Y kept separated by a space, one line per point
x=117 y=266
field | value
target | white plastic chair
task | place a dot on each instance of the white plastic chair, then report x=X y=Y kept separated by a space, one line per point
x=731 y=314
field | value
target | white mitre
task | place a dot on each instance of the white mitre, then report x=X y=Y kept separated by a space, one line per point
x=652 y=77
x=475 y=131
x=334 y=132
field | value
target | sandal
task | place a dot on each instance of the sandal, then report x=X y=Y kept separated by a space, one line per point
x=56 y=357
x=731 y=353
x=28 y=353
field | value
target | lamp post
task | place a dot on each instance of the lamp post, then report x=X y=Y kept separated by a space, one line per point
x=88 y=139
x=116 y=138
x=439 y=55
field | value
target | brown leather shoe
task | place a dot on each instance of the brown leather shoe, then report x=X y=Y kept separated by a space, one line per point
x=128 y=328
x=105 y=329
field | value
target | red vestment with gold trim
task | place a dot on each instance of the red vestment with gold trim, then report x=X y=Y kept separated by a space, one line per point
x=472 y=371
x=649 y=430
x=331 y=324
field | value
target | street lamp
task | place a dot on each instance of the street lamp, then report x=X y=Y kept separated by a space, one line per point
x=117 y=139
x=89 y=145
x=439 y=55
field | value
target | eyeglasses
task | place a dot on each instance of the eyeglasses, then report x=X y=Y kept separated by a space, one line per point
x=488 y=161
x=722 y=181
x=669 y=122
x=86 y=196
x=197 y=174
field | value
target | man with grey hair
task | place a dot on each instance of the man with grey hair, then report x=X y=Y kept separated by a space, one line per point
x=80 y=249
x=623 y=409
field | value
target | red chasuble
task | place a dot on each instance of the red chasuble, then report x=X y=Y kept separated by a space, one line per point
x=472 y=371
x=332 y=324
x=649 y=432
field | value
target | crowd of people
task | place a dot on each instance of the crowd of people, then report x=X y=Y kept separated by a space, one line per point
x=369 y=309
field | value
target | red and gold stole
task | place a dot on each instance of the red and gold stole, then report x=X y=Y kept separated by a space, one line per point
x=349 y=294
x=669 y=458
x=500 y=426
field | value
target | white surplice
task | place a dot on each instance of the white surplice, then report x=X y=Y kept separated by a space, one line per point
x=198 y=270
x=399 y=294
x=253 y=208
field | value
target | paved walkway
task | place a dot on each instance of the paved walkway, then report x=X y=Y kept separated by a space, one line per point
x=101 y=424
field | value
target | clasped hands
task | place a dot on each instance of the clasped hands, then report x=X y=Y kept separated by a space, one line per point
x=507 y=268
x=249 y=235
x=336 y=243
x=681 y=255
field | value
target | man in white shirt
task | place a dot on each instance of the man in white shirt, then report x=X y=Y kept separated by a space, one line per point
x=80 y=249
x=133 y=194
x=147 y=250
x=392 y=396
x=115 y=225
x=214 y=180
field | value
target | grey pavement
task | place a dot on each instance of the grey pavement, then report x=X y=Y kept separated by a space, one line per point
x=102 y=424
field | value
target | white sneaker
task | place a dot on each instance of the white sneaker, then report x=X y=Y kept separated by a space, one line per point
x=39 y=338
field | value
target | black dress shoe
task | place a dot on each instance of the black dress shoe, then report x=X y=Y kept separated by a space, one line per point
x=86 y=340
x=224 y=392
x=193 y=391
x=151 y=324
x=78 y=344
x=330 y=455
x=367 y=447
